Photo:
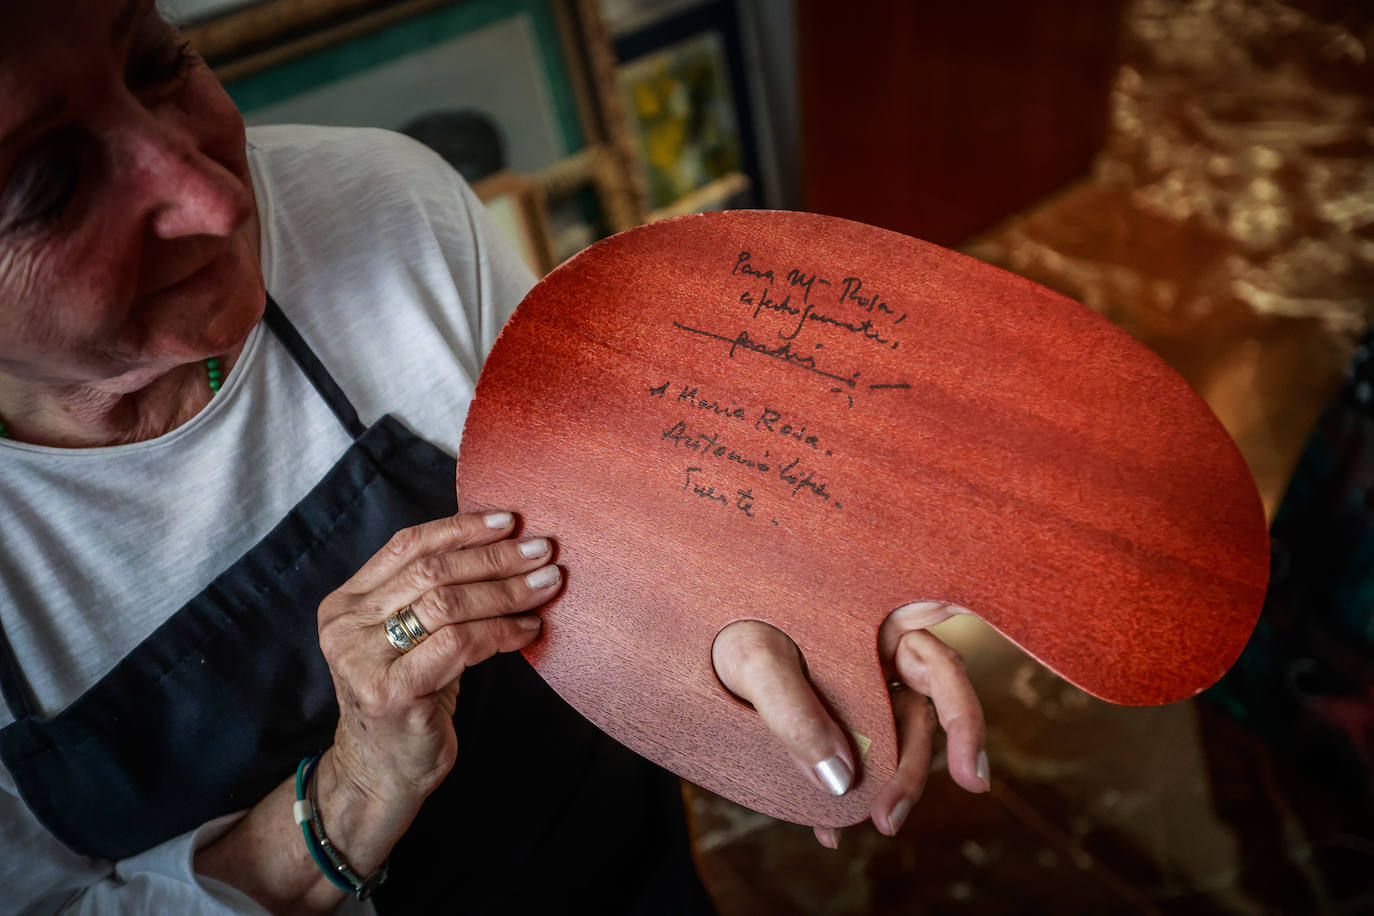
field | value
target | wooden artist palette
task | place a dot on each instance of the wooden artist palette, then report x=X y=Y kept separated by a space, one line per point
x=808 y=421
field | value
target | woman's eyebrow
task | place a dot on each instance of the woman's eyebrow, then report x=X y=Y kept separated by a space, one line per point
x=47 y=111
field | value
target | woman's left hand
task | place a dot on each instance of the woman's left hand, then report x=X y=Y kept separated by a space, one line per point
x=761 y=665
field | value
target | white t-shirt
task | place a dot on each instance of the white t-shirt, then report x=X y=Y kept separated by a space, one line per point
x=383 y=259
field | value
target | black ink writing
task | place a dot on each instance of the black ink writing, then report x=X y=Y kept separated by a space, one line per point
x=802 y=479
x=710 y=444
x=771 y=420
x=795 y=474
x=763 y=302
x=783 y=353
x=849 y=292
x=690 y=396
x=742 y=266
x=703 y=491
x=798 y=278
x=743 y=499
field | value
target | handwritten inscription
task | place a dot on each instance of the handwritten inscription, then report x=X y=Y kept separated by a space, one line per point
x=709 y=444
x=783 y=306
x=743 y=499
x=766 y=418
x=782 y=352
x=835 y=329
x=732 y=474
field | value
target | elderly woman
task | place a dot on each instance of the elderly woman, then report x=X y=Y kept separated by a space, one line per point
x=233 y=370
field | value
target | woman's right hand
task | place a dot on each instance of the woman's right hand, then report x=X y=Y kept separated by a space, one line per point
x=471 y=585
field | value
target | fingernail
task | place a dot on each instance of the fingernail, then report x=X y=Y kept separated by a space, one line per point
x=534 y=547
x=834 y=774
x=497 y=519
x=529 y=621
x=543 y=577
x=897 y=817
x=829 y=838
x=981 y=770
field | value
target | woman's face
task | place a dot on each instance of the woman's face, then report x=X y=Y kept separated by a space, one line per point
x=128 y=231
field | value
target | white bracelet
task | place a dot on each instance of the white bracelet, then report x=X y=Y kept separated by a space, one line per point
x=303 y=811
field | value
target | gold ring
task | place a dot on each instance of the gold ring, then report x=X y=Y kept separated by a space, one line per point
x=896 y=685
x=404 y=630
x=417 y=630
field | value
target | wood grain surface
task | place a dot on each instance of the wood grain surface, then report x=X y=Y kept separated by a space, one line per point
x=809 y=421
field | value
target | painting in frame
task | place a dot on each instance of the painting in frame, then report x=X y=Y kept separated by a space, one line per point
x=683 y=83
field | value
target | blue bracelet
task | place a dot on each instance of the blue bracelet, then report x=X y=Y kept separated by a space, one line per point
x=307 y=815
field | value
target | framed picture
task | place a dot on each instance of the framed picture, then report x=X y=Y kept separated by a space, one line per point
x=683 y=85
x=588 y=197
x=493 y=85
x=516 y=207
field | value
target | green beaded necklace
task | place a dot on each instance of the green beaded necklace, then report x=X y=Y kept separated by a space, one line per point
x=216 y=377
x=212 y=371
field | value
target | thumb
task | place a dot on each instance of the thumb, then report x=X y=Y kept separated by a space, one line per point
x=761 y=665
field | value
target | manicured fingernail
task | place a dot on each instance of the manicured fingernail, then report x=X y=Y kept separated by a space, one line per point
x=529 y=621
x=897 y=816
x=834 y=774
x=534 y=547
x=497 y=519
x=543 y=577
x=981 y=770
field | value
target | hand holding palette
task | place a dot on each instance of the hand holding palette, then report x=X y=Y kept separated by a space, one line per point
x=808 y=421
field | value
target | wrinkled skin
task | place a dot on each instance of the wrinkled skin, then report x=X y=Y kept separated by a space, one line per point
x=128 y=235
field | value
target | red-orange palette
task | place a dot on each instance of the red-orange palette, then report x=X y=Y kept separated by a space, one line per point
x=808 y=421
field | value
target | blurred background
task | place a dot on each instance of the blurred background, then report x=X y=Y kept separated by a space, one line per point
x=1201 y=173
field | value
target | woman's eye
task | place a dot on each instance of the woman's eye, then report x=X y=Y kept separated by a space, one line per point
x=160 y=66
x=42 y=183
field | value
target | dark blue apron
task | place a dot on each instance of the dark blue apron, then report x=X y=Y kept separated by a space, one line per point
x=213 y=710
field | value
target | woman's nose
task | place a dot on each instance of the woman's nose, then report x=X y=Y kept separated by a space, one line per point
x=184 y=190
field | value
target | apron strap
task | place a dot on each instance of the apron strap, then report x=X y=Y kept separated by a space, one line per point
x=16 y=692
x=12 y=685
x=312 y=367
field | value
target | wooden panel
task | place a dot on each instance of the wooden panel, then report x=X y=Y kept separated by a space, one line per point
x=808 y=421
x=938 y=118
